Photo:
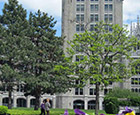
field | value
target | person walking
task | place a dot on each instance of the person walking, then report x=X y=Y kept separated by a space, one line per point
x=47 y=107
x=43 y=108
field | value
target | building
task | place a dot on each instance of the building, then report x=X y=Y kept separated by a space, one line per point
x=78 y=15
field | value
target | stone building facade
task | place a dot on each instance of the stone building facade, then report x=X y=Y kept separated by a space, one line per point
x=78 y=15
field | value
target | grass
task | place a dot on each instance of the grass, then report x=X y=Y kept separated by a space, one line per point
x=31 y=111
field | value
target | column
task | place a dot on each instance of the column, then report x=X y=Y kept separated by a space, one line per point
x=101 y=103
x=86 y=103
x=0 y=99
x=54 y=102
x=41 y=100
x=28 y=101
x=15 y=100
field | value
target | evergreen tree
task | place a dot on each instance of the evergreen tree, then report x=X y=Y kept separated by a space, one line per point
x=13 y=24
x=42 y=78
x=14 y=18
x=30 y=51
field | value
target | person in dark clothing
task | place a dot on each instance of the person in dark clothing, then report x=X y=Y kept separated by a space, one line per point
x=43 y=108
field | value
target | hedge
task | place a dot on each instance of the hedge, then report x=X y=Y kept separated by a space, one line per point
x=3 y=109
x=112 y=103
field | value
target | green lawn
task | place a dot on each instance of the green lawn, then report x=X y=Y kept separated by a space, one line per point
x=30 y=111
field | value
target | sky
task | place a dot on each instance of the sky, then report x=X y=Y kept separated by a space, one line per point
x=131 y=9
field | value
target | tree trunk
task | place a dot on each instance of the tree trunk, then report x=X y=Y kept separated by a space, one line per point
x=97 y=99
x=10 y=99
x=37 y=103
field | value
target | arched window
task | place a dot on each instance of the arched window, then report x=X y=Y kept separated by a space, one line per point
x=91 y=104
x=21 y=102
x=5 y=101
x=32 y=102
x=78 y=104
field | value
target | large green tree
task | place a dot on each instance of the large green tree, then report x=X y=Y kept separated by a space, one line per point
x=13 y=25
x=40 y=76
x=100 y=56
x=14 y=19
x=29 y=52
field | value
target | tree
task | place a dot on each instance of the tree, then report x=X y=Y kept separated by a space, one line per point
x=100 y=56
x=13 y=44
x=30 y=51
x=40 y=76
x=14 y=18
x=12 y=52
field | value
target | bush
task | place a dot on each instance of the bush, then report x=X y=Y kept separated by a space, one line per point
x=122 y=93
x=135 y=101
x=125 y=103
x=111 y=105
x=3 y=109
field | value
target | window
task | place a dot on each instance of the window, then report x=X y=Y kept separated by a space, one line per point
x=91 y=91
x=80 y=0
x=82 y=17
x=108 y=18
x=94 y=7
x=135 y=81
x=77 y=28
x=93 y=0
x=108 y=28
x=80 y=28
x=20 y=88
x=79 y=17
x=137 y=69
x=78 y=7
x=94 y=18
x=108 y=7
x=93 y=27
x=82 y=7
x=108 y=0
x=78 y=91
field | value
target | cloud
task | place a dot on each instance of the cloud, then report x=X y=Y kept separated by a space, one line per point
x=131 y=10
x=52 y=7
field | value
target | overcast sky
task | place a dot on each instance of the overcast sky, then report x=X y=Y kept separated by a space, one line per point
x=53 y=7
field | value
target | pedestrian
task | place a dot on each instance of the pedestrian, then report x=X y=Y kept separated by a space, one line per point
x=47 y=107
x=43 y=108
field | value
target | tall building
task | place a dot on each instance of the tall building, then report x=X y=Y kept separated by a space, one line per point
x=78 y=15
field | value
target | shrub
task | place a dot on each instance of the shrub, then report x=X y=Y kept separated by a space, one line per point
x=122 y=93
x=111 y=105
x=135 y=101
x=3 y=109
x=125 y=103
